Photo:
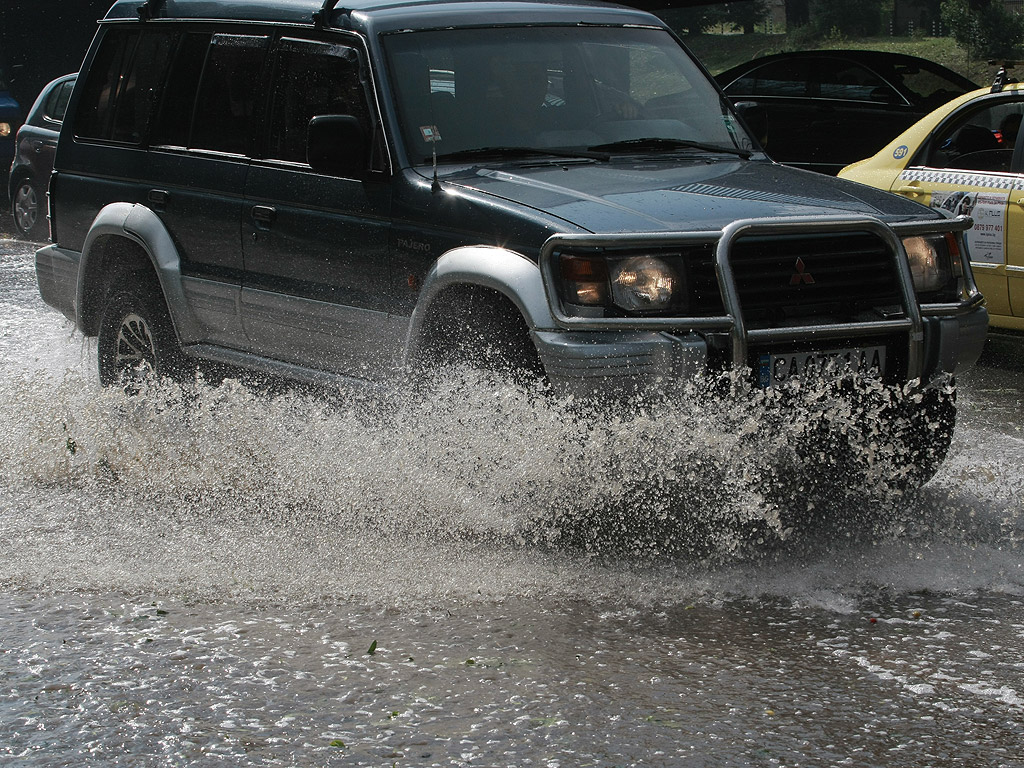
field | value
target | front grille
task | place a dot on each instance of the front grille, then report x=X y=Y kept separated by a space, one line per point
x=834 y=276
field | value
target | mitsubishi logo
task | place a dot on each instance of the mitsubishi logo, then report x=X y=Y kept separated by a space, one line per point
x=800 y=276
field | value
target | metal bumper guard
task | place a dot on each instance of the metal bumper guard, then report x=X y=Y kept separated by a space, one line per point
x=631 y=352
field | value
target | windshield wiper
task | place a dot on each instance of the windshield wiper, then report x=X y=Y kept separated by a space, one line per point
x=656 y=143
x=479 y=153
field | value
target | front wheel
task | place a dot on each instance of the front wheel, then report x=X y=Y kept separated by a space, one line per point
x=928 y=434
x=27 y=208
x=136 y=337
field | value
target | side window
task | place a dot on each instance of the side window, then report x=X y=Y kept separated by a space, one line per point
x=839 y=79
x=57 y=104
x=226 y=102
x=140 y=89
x=123 y=88
x=175 y=121
x=312 y=78
x=95 y=117
x=780 y=78
x=981 y=140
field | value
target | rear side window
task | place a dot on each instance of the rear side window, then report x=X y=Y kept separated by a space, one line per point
x=226 y=102
x=123 y=87
x=175 y=121
x=57 y=103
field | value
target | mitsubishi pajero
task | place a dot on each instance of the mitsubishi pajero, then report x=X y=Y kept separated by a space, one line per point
x=556 y=187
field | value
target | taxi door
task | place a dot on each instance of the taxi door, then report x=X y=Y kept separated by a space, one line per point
x=1015 y=258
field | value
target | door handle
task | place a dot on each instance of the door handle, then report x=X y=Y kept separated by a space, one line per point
x=158 y=197
x=263 y=215
x=909 y=189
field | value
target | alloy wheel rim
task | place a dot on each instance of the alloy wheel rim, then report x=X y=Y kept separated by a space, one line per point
x=134 y=347
x=26 y=207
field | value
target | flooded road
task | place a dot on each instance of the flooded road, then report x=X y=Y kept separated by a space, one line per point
x=241 y=579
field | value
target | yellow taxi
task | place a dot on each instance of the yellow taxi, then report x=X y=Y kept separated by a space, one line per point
x=965 y=158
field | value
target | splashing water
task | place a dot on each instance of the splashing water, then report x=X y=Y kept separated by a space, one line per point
x=375 y=484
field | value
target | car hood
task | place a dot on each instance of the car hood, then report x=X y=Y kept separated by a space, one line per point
x=661 y=196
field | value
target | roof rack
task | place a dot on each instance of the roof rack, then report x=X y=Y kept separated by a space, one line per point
x=149 y=9
x=321 y=17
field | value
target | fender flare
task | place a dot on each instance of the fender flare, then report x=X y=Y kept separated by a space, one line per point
x=507 y=272
x=144 y=228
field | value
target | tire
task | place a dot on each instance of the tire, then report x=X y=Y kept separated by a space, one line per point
x=28 y=211
x=136 y=337
x=480 y=331
x=929 y=434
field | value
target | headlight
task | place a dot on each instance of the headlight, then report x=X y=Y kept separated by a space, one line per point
x=635 y=284
x=930 y=262
x=642 y=283
x=5 y=130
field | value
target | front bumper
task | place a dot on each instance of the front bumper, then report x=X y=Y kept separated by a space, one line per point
x=587 y=363
x=588 y=354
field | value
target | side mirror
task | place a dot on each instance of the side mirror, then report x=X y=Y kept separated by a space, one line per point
x=336 y=145
x=755 y=116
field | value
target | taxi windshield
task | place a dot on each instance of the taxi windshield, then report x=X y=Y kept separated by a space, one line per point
x=537 y=90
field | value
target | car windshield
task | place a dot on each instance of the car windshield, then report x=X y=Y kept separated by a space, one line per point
x=530 y=91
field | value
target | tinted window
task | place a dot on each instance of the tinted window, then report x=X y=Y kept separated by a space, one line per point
x=123 y=87
x=777 y=78
x=930 y=86
x=226 y=101
x=312 y=78
x=57 y=103
x=96 y=108
x=838 y=79
x=175 y=121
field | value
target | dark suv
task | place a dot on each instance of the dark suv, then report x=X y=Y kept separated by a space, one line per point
x=557 y=187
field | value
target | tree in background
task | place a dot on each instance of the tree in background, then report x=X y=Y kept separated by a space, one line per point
x=860 y=19
x=738 y=16
x=798 y=13
x=985 y=29
x=742 y=15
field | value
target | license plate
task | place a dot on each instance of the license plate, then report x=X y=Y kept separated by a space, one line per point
x=777 y=369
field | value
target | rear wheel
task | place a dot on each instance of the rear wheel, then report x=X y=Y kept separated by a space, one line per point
x=136 y=337
x=27 y=208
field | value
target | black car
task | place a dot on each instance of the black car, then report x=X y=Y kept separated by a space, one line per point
x=541 y=189
x=826 y=109
x=33 y=159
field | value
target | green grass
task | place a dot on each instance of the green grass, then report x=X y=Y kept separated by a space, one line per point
x=719 y=52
